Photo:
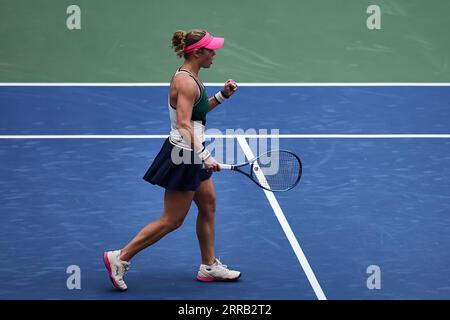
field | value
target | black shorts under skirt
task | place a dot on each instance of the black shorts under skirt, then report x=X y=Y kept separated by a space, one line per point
x=179 y=177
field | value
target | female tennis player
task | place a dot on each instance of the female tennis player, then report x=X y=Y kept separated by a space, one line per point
x=184 y=167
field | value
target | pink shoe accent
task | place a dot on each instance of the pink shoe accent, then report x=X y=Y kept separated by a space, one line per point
x=207 y=279
x=106 y=261
x=108 y=266
x=211 y=279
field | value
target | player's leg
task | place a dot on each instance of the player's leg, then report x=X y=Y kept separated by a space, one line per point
x=205 y=199
x=176 y=207
x=211 y=269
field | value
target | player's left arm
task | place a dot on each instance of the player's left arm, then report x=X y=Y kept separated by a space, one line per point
x=228 y=90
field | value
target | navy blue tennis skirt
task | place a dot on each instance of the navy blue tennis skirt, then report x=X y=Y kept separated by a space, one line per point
x=180 y=177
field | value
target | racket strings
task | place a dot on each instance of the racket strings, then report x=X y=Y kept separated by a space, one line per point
x=277 y=170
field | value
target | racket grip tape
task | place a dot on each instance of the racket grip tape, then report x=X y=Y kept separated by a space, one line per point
x=224 y=166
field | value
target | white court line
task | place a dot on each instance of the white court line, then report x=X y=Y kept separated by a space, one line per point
x=287 y=229
x=242 y=84
x=231 y=136
x=84 y=136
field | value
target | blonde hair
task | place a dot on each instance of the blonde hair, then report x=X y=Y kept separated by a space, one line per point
x=182 y=39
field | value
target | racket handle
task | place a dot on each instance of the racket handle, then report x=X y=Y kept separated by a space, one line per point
x=224 y=166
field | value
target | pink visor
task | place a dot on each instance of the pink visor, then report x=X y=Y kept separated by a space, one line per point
x=208 y=42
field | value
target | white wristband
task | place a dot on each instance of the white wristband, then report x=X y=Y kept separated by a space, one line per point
x=220 y=97
x=204 y=154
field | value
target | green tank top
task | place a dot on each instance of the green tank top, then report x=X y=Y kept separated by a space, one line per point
x=201 y=105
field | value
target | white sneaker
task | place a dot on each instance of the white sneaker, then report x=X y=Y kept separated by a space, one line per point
x=116 y=268
x=216 y=272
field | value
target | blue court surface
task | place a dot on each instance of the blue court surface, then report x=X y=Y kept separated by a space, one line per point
x=362 y=201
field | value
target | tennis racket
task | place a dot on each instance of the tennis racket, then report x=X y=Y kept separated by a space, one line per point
x=275 y=170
